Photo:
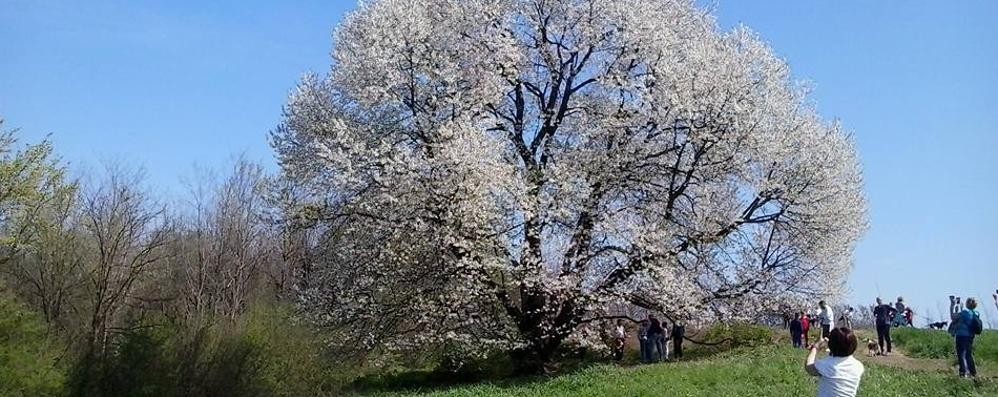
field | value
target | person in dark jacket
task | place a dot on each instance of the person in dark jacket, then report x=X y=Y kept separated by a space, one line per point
x=643 y=341
x=883 y=314
x=797 y=331
x=678 y=333
x=656 y=333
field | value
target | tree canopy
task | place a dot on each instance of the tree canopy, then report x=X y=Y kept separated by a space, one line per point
x=505 y=173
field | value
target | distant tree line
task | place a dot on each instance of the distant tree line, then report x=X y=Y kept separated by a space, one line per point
x=109 y=267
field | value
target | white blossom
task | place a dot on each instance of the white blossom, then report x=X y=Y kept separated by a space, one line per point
x=503 y=173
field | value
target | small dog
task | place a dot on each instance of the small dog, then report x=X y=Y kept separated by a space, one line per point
x=938 y=325
x=872 y=349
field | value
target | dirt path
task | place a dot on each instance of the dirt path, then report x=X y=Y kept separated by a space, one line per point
x=898 y=359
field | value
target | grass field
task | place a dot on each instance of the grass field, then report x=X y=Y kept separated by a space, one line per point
x=763 y=371
x=939 y=345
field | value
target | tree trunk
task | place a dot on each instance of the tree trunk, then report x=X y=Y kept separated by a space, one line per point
x=544 y=331
x=537 y=358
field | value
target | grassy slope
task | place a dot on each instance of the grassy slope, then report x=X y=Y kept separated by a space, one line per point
x=767 y=371
x=938 y=344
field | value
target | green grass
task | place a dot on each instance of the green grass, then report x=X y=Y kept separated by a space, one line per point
x=762 y=371
x=940 y=345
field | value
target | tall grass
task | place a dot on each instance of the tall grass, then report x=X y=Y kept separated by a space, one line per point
x=922 y=343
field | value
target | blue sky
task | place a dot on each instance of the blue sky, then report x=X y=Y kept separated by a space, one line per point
x=168 y=85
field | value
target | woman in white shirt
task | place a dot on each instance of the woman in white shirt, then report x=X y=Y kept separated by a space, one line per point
x=840 y=372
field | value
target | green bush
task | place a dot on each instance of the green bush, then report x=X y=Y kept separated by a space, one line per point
x=740 y=335
x=165 y=361
x=262 y=354
x=293 y=361
x=29 y=358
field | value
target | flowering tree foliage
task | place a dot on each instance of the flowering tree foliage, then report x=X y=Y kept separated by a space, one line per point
x=502 y=172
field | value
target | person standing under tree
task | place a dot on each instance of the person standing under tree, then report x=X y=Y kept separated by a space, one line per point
x=619 y=339
x=643 y=341
x=826 y=317
x=678 y=333
x=656 y=336
x=796 y=331
x=805 y=323
x=882 y=317
x=664 y=339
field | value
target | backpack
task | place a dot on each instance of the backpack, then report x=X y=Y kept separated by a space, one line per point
x=976 y=325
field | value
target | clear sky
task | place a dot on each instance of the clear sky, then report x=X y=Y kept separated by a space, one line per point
x=170 y=84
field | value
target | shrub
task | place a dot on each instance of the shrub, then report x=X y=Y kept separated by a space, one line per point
x=293 y=360
x=29 y=358
x=264 y=353
x=740 y=335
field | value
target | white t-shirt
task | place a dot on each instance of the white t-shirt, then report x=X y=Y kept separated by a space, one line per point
x=827 y=317
x=839 y=376
x=621 y=333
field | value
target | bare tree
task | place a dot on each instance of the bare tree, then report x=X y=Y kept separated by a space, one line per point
x=242 y=235
x=126 y=234
x=222 y=245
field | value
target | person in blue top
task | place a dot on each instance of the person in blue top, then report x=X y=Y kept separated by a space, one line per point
x=963 y=330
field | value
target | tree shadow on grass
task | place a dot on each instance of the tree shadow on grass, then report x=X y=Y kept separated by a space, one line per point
x=497 y=371
x=430 y=381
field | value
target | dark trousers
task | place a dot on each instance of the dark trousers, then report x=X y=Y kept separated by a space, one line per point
x=645 y=349
x=965 y=355
x=795 y=337
x=677 y=347
x=826 y=329
x=884 y=335
x=658 y=352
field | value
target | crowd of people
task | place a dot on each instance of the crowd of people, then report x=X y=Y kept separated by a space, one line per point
x=653 y=340
x=885 y=317
x=824 y=321
x=965 y=323
x=840 y=373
